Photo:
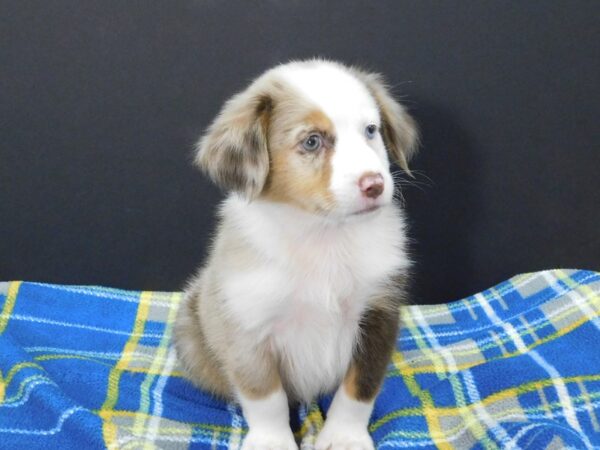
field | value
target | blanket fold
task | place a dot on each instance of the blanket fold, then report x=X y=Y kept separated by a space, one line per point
x=515 y=366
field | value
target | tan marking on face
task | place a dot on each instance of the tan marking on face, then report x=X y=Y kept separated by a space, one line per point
x=298 y=177
x=318 y=121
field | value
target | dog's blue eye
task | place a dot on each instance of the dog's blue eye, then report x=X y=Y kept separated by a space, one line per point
x=312 y=143
x=371 y=131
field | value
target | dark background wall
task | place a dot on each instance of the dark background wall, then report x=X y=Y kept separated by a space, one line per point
x=101 y=102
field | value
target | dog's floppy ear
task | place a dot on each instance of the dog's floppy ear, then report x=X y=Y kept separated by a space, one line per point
x=398 y=129
x=234 y=150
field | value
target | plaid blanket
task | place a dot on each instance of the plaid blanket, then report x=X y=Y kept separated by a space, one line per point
x=516 y=366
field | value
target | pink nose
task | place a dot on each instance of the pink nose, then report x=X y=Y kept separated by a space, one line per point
x=371 y=184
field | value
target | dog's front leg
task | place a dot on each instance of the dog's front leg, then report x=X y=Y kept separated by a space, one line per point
x=350 y=410
x=258 y=388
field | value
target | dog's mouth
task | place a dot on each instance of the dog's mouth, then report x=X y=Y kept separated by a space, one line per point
x=367 y=210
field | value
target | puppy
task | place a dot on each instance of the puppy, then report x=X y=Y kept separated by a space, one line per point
x=300 y=293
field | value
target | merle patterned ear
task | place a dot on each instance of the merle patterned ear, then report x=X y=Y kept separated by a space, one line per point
x=234 y=150
x=398 y=128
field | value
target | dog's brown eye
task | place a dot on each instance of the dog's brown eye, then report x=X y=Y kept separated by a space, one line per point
x=312 y=143
x=370 y=131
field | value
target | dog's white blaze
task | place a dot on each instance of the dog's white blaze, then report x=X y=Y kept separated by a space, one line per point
x=352 y=159
x=339 y=95
x=350 y=107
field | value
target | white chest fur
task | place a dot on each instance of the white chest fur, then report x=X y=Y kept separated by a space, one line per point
x=309 y=285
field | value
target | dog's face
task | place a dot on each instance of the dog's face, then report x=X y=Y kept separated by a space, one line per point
x=316 y=135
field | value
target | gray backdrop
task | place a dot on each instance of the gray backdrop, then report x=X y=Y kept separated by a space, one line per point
x=101 y=102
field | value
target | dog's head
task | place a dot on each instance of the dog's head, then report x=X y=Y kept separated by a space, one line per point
x=313 y=134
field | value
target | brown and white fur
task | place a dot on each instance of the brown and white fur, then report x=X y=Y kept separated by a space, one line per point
x=300 y=294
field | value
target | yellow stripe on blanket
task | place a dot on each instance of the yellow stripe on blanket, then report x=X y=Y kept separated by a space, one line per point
x=9 y=304
x=109 y=429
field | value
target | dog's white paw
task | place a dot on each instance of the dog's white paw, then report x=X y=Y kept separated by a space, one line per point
x=336 y=436
x=269 y=440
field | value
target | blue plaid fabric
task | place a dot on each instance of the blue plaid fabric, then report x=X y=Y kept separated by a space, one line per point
x=515 y=366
